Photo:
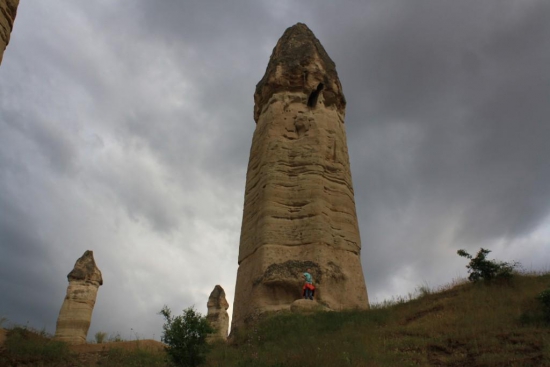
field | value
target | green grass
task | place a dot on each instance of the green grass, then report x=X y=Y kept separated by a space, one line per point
x=135 y=358
x=28 y=347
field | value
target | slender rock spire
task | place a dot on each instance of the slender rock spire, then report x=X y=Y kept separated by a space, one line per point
x=75 y=315
x=8 y=10
x=217 y=314
x=299 y=210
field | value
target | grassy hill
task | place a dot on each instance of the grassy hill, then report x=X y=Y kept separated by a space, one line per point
x=464 y=325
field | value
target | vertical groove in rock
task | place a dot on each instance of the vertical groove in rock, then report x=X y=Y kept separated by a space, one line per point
x=8 y=10
x=75 y=315
x=299 y=210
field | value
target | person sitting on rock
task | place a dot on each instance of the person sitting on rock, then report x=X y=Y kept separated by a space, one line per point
x=309 y=289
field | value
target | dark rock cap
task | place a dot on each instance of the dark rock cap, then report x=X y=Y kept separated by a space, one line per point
x=86 y=269
x=217 y=298
x=299 y=63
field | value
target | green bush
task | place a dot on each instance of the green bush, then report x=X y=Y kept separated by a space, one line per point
x=482 y=269
x=185 y=336
x=544 y=298
x=100 y=337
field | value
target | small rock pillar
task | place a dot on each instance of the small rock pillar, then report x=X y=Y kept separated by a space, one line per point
x=75 y=315
x=217 y=314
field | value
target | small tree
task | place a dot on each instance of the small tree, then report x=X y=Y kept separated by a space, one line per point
x=482 y=269
x=185 y=336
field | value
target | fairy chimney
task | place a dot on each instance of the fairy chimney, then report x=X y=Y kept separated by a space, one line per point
x=76 y=312
x=299 y=209
x=217 y=313
x=8 y=10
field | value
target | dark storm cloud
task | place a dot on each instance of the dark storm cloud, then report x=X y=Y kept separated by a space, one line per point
x=454 y=98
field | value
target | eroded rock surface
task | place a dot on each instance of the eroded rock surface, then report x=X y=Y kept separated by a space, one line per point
x=217 y=313
x=8 y=10
x=299 y=210
x=75 y=315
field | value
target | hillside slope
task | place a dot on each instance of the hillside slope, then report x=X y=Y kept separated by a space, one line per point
x=466 y=325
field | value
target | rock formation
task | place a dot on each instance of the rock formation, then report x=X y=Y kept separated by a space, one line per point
x=8 y=10
x=217 y=313
x=299 y=209
x=76 y=312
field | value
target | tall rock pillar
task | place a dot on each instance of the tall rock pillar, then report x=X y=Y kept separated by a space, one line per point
x=76 y=312
x=299 y=208
x=8 y=10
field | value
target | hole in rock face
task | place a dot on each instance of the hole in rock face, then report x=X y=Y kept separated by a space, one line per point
x=281 y=283
x=312 y=100
x=281 y=292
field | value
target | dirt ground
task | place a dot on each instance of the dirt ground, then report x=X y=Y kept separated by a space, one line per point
x=146 y=344
x=93 y=354
x=3 y=333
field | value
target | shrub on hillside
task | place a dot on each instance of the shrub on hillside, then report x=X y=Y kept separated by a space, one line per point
x=544 y=298
x=185 y=336
x=114 y=338
x=482 y=269
x=100 y=337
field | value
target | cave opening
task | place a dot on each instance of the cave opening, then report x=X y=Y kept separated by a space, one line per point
x=312 y=100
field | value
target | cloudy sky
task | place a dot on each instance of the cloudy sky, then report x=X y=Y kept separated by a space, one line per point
x=125 y=129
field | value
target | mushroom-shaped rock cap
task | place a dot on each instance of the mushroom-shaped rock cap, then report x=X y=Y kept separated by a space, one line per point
x=85 y=269
x=217 y=299
x=299 y=63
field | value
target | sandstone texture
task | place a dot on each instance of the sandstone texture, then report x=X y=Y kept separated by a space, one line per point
x=217 y=313
x=306 y=306
x=76 y=312
x=8 y=10
x=299 y=209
